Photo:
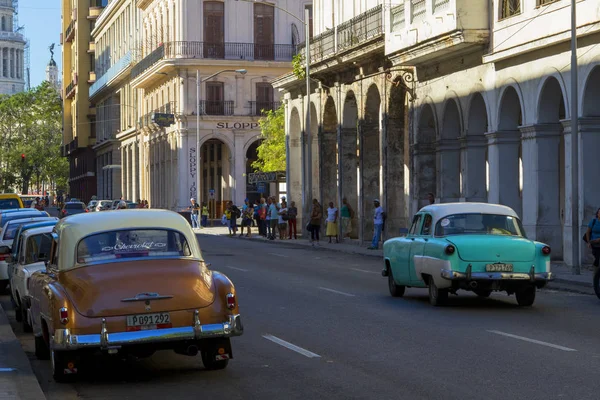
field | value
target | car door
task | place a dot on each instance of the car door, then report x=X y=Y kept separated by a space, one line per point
x=422 y=236
x=401 y=253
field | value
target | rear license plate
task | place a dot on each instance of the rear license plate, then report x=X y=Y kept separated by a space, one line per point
x=148 y=321
x=499 y=268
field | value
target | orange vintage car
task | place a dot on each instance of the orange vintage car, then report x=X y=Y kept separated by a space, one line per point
x=130 y=282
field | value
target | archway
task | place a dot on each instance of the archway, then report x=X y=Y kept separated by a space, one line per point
x=295 y=186
x=329 y=154
x=425 y=171
x=504 y=153
x=349 y=161
x=448 y=154
x=216 y=179
x=255 y=191
x=396 y=161
x=370 y=158
x=474 y=152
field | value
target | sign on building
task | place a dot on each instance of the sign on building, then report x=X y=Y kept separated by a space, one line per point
x=255 y=177
x=163 y=120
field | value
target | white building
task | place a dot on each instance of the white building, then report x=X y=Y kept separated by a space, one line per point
x=12 y=45
x=487 y=116
x=181 y=39
x=52 y=74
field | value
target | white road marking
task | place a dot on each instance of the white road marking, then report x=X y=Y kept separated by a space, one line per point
x=278 y=255
x=364 y=270
x=292 y=347
x=236 y=268
x=337 y=292
x=554 y=346
x=7 y=369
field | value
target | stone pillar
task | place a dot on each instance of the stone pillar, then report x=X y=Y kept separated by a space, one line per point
x=503 y=158
x=349 y=161
x=123 y=169
x=425 y=170
x=448 y=170
x=328 y=169
x=1 y=62
x=370 y=174
x=541 y=185
x=239 y=167
x=473 y=168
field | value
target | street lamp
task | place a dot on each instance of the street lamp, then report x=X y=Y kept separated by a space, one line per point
x=305 y=22
x=576 y=244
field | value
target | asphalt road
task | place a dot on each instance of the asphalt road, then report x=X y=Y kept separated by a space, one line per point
x=321 y=325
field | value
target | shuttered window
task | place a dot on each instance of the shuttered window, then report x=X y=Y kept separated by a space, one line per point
x=510 y=8
x=214 y=29
x=264 y=32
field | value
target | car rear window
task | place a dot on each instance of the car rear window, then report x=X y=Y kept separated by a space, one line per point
x=479 y=224
x=74 y=206
x=132 y=243
x=6 y=204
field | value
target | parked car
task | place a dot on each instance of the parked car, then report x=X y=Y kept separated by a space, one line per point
x=32 y=258
x=477 y=247
x=92 y=205
x=10 y=200
x=130 y=282
x=115 y=204
x=72 y=208
x=103 y=205
x=9 y=215
x=27 y=200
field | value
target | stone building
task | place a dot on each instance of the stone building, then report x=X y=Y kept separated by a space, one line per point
x=12 y=45
x=487 y=117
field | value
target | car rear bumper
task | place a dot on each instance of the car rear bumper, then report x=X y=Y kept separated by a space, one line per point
x=532 y=276
x=64 y=340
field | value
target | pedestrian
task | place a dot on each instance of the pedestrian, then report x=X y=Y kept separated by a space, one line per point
x=273 y=218
x=139 y=204
x=262 y=217
x=292 y=219
x=378 y=220
x=332 y=216
x=315 y=222
x=247 y=214
x=234 y=214
x=195 y=207
x=592 y=237
x=347 y=213
x=283 y=217
x=431 y=198
x=204 y=222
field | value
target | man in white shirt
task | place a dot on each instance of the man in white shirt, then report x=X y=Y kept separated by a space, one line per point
x=378 y=217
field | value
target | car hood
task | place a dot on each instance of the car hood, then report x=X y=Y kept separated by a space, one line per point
x=493 y=248
x=111 y=289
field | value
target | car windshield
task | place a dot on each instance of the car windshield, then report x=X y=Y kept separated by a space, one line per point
x=479 y=224
x=132 y=243
x=75 y=206
x=6 y=204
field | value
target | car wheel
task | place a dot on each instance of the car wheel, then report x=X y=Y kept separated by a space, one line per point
x=41 y=348
x=597 y=282
x=483 y=293
x=61 y=362
x=18 y=313
x=395 y=290
x=25 y=320
x=526 y=296
x=208 y=359
x=437 y=297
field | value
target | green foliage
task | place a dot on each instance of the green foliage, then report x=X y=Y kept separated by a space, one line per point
x=299 y=66
x=271 y=152
x=31 y=124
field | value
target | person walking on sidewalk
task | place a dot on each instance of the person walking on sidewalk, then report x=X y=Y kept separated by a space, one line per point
x=593 y=237
x=347 y=213
x=262 y=218
x=315 y=222
x=332 y=217
x=204 y=221
x=273 y=218
x=195 y=207
x=292 y=219
x=378 y=220
x=234 y=214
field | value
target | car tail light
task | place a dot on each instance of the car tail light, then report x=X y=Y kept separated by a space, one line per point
x=86 y=210
x=546 y=250
x=64 y=315
x=231 y=301
x=450 y=249
x=3 y=257
x=64 y=211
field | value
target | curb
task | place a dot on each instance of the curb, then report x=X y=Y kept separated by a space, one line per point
x=22 y=378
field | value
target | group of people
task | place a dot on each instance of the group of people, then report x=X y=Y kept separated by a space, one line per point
x=198 y=211
x=40 y=202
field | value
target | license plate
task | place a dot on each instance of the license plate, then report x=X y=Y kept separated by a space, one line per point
x=499 y=268
x=148 y=321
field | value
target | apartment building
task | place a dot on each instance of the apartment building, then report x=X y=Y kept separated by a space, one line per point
x=487 y=109
x=182 y=41
x=79 y=134
x=116 y=41
x=12 y=45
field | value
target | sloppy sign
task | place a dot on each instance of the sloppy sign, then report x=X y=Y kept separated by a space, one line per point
x=238 y=125
x=256 y=177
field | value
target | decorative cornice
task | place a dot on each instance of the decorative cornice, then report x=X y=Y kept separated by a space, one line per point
x=538 y=131
x=503 y=137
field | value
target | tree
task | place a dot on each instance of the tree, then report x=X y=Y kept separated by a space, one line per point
x=271 y=152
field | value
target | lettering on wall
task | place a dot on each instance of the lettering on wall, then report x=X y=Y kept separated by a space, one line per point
x=193 y=163
x=238 y=125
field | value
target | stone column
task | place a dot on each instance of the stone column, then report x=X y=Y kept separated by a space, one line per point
x=182 y=170
x=541 y=185
x=349 y=161
x=123 y=170
x=448 y=170
x=425 y=170
x=1 y=62
x=239 y=167
x=10 y=62
x=473 y=168
x=503 y=158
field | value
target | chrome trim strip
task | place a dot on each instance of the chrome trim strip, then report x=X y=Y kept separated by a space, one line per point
x=64 y=340
x=497 y=276
x=147 y=296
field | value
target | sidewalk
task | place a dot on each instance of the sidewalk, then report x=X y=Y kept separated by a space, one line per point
x=17 y=380
x=564 y=280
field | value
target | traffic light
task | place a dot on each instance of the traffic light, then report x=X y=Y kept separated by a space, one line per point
x=23 y=157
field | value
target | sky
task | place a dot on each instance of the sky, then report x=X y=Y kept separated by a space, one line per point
x=42 y=27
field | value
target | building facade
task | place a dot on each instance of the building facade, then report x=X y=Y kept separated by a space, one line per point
x=486 y=112
x=79 y=134
x=52 y=74
x=12 y=51
x=183 y=40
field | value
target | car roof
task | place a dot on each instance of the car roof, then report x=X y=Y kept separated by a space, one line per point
x=438 y=211
x=71 y=230
x=29 y=214
x=12 y=210
x=33 y=225
x=37 y=231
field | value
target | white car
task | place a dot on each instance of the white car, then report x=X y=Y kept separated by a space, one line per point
x=103 y=205
x=92 y=205
x=36 y=249
x=7 y=236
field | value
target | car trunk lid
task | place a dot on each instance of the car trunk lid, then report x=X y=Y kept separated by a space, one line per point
x=137 y=287
x=493 y=248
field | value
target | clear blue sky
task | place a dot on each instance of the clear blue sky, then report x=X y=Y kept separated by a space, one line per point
x=42 y=27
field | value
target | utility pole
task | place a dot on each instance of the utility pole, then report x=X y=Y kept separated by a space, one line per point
x=576 y=244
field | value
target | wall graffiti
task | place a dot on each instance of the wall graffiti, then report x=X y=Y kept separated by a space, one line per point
x=193 y=163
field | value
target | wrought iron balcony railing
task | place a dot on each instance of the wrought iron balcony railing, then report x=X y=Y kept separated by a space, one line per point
x=258 y=108
x=208 y=107
x=70 y=32
x=70 y=90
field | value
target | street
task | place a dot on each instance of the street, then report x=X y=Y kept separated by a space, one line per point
x=320 y=324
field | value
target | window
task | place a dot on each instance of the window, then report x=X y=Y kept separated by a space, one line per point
x=309 y=7
x=415 y=224
x=545 y=2
x=38 y=248
x=426 y=230
x=214 y=29
x=264 y=32
x=509 y=8
x=3 y=24
x=214 y=98
x=479 y=224
x=264 y=97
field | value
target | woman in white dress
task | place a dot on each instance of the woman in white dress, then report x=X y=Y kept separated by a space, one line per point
x=332 y=216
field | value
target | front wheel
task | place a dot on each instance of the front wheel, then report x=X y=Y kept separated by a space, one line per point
x=437 y=296
x=597 y=282
x=211 y=363
x=395 y=290
x=526 y=296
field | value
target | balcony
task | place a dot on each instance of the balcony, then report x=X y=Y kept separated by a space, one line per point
x=114 y=74
x=215 y=51
x=70 y=32
x=208 y=107
x=424 y=30
x=70 y=89
x=12 y=36
x=258 y=108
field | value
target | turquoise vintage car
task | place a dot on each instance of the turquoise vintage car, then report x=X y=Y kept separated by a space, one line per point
x=478 y=247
